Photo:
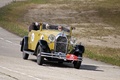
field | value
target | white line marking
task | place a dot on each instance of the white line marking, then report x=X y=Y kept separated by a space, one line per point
x=8 y=41
x=1 y=38
x=20 y=73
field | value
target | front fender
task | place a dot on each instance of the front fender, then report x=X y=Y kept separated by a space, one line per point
x=44 y=46
x=78 y=50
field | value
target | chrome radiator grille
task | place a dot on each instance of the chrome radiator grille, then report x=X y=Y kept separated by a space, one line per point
x=61 y=44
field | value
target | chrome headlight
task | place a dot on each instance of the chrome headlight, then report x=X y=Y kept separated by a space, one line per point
x=73 y=40
x=51 y=38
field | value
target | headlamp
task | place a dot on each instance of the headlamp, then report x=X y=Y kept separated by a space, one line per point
x=51 y=38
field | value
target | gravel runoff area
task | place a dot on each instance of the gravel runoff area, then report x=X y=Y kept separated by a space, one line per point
x=55 y=14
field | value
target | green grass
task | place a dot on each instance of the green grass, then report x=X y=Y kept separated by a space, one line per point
x=108 y=55
x=39 y=1
x=12 y=19
x=12 y=16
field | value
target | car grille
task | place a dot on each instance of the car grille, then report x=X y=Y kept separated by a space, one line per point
x=61 y=44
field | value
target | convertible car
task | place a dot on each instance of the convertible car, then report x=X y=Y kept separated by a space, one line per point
x=49 y=43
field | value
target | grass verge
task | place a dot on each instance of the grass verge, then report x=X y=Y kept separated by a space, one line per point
x=10 y=17
x=108 y=55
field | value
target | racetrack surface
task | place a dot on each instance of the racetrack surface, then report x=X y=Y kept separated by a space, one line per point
x=13 y=67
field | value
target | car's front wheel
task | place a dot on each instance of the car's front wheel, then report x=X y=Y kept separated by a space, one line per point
x=77 y=64
x=40 y=59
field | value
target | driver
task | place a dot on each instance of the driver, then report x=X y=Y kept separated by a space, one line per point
x=60 y=28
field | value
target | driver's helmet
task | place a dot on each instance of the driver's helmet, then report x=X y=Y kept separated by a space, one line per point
x=36 y=24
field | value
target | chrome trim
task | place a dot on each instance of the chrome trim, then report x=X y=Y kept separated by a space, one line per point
x=62 y=34
x=58 y=55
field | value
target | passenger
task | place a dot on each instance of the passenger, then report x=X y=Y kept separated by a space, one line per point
x=34 y=26
x=60 y=28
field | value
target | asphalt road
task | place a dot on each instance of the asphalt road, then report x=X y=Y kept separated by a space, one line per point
x=13 y=67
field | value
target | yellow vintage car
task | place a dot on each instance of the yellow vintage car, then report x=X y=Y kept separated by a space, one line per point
x=50 y=43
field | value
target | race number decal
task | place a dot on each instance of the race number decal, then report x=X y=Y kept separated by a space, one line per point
x=32 y=37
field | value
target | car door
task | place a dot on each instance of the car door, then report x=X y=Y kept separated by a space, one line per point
x=33 y=38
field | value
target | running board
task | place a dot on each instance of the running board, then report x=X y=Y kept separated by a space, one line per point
x=28 y=52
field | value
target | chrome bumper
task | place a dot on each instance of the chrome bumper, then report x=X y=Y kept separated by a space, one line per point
x=58 y=55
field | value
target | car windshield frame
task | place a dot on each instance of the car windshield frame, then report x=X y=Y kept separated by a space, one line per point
x=55 y=27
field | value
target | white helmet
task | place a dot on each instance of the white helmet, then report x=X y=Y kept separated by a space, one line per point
x=36 y=23
x=47 y=26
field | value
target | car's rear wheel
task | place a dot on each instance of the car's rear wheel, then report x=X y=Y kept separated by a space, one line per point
x=40 y=59
x=77 y=64
x=25 y=55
